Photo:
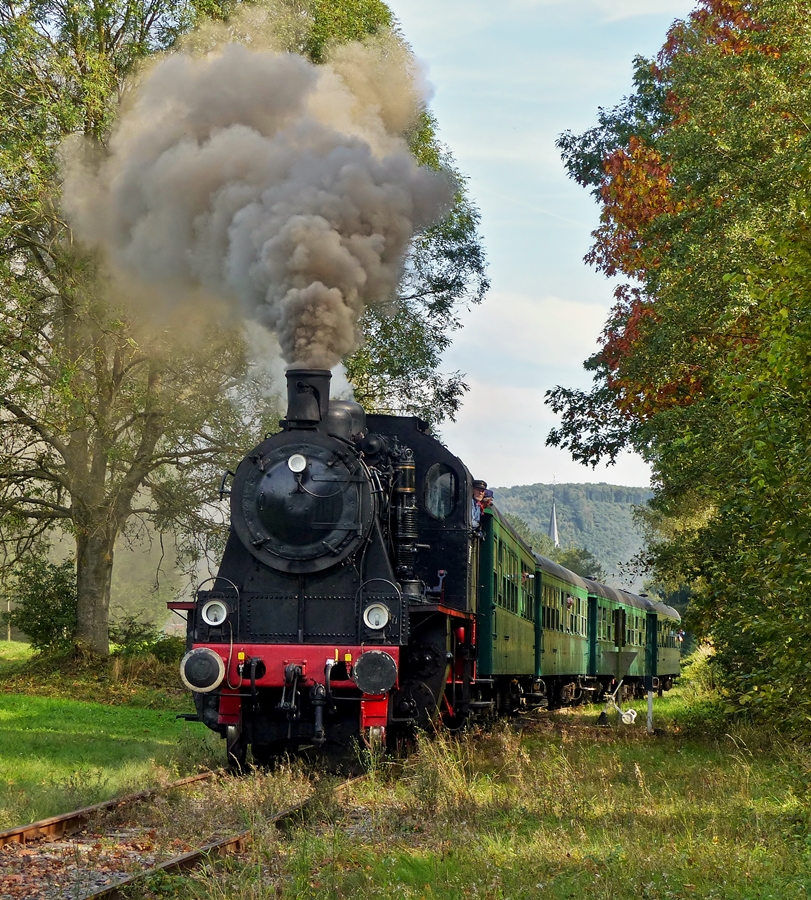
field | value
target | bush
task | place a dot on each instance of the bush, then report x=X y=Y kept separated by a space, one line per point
x=169 y=649
x=44 y=602
x=702 y=671
x=134 y=636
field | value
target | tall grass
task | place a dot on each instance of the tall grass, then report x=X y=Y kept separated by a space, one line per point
x=556 y=809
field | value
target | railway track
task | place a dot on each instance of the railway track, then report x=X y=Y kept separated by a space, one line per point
x=69 y=857
x=71 y=822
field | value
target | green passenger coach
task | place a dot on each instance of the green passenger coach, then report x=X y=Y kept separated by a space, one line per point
x=545 y=632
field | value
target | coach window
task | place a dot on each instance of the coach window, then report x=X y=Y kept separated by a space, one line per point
x=441 y=491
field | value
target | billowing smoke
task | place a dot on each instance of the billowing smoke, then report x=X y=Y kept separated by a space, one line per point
x=262 y=179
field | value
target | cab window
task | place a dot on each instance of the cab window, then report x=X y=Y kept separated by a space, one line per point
x=441 y=491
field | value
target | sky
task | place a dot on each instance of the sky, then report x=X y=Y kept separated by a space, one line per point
x=508 y=77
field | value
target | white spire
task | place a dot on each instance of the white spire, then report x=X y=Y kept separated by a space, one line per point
x=553 y=526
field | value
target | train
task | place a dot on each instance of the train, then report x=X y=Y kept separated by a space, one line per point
x=358 y=600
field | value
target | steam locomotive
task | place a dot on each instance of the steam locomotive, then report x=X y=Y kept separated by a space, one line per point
x=356 y=602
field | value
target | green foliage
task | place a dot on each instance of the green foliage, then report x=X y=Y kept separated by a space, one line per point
x=43 y=596
x=135 y=636
x=704 y=185
x=575 y=559
x=540 y=543
x=581 y=562
x=343 y=22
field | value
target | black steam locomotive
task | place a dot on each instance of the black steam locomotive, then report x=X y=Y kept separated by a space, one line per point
x=355 y=601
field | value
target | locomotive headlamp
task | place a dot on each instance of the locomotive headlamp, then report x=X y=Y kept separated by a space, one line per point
x=215 y=612
x=376 y=616
x=297 y=463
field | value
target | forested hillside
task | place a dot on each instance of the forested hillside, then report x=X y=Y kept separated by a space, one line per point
x=598 y=517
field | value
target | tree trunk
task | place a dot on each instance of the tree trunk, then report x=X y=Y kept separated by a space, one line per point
x=94 y=569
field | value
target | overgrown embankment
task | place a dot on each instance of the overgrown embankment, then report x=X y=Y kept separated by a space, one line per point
x=548 y=805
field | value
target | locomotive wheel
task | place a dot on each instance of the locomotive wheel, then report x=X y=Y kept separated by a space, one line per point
x=415 y=701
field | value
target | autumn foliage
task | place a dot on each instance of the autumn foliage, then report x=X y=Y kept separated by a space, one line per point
x=703 y=176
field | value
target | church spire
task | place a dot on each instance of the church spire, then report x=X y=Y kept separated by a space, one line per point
x=553 y=527
x=553 y=521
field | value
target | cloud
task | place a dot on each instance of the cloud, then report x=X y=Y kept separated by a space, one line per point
x=514 y=348
x=534 y=337
x=501 y=434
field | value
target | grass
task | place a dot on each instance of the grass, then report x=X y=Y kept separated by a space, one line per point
x=549 y=807
x=60 y=749
x=12 y=655
x=553 y=808
x=141 y=681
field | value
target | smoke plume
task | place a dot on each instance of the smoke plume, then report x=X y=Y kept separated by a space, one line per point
x=264 y=180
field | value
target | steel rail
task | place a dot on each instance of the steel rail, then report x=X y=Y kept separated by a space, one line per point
x=67 y=823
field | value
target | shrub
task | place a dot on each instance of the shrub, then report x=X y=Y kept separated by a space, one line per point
x=134 y=636
x=169 y=649
x=44 y=598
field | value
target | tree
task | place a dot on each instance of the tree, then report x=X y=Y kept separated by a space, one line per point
x=540 y=543
x=703 y=177
x=580 y=561
x=104 y=419
x=576 y=559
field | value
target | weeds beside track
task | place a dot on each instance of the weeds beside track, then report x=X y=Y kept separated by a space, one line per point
x=557 y=809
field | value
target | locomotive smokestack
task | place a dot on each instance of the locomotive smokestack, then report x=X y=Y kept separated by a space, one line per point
x=307 y=396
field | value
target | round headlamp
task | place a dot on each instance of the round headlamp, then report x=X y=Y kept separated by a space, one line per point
x=376 y=616
x=215 y=612
x=297 y=463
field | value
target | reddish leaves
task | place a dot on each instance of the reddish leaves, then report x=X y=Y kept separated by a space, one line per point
x=637 y=190
x=730 y=25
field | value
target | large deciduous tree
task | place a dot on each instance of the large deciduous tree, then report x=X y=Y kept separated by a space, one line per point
x=103 y=418
x=703 y=177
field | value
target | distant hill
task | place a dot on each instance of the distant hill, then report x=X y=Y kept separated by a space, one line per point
x=595 y=516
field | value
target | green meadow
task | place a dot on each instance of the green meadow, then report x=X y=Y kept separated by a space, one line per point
x=58 y=753
x=553 y=807
x=546 y=805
